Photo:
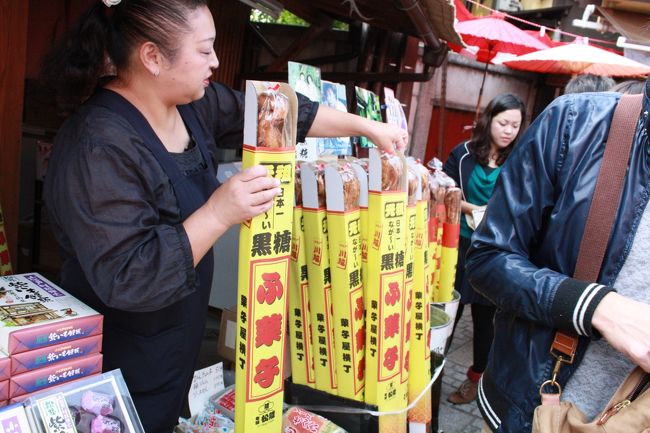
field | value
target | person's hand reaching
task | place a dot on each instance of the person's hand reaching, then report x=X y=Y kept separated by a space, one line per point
x=388 y=138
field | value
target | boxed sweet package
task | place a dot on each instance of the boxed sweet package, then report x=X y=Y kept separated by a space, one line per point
x=5 y=366
x=36 y=380
x=35 y=313
x=101 y=403
x=39 y=358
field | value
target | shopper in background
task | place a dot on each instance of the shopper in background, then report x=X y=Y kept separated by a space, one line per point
x=524 y=253
x=132 y=192
x=475 y=166
x=630 y=87
x=589 y=83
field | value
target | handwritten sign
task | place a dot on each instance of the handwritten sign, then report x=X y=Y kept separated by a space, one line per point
x=206 y=382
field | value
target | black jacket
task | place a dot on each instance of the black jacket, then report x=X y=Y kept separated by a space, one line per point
x=525 y=250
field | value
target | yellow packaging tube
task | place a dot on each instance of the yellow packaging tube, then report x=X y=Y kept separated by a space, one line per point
x=450 y=239
x=385 y=292
x=419 y=361
x=344 y=235
x=437 y=255
x=319 y=274
x=302 y=356
x=362 y=175
x=263 y=281
x=448 y=261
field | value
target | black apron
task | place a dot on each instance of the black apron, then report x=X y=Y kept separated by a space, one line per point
x=157 y=351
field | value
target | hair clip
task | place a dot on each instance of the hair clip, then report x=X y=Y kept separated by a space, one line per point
x=110 y=3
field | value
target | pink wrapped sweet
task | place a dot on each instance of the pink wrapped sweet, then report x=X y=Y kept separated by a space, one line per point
x=106 y=424
x=97 y=403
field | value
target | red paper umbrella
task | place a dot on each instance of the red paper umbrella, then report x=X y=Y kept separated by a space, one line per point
x=578 y=58
x=462 y=14
x=494 y=34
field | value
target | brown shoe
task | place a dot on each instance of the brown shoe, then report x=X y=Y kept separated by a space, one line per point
x=466 y=393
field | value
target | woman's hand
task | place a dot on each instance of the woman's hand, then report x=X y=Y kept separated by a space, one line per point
x=388 y=137
x=625 y=324
x=243 y=196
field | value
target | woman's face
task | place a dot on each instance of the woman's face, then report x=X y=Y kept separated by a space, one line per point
x=504 y=128
x=187 y=77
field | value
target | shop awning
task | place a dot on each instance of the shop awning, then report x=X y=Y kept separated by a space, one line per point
x=632 y=25
x=395 y=15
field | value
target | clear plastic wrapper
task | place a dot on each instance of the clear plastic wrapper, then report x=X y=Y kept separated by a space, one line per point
x=351 y=187
x=298 y=420
x=434 y=164
x=423 y=172
x=82 y=403
x=298 y=186
x=391 y=172
x=272 y=128
x=412 y=185
x=452 y=205
x=319 y=170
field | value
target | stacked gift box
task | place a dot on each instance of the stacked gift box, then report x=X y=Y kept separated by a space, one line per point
x=47 y=337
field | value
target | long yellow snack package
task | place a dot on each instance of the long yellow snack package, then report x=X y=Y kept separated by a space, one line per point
x=319 y=273
x=264 y=261
x=450 y=239
x=385 y=291
x=344 y=235
x=420 y=355
x=300 y=330
x=360 y=167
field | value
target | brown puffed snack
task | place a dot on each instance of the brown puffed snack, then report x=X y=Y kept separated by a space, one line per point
x=391 y=172
x=320 y=183
x=412 y=183
x=351 y=187
x=298 y=186
x=273 y=108
x=424 y=180
x=452 y=203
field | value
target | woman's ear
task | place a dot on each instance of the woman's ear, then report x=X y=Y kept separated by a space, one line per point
x=151 y=58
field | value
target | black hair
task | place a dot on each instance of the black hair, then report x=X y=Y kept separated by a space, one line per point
x=588 y=83
x=630 y=87
x=480 y=143
x=105 y=37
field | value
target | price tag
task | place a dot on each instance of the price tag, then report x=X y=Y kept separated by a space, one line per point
x=206 y=382
x=55 y=414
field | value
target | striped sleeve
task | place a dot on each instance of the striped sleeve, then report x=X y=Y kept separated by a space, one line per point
x=574 y=305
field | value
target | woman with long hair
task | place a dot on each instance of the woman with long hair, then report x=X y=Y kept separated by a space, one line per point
x=131 y=189
x=475 y=166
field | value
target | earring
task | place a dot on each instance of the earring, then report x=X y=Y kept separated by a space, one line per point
x=156 y=73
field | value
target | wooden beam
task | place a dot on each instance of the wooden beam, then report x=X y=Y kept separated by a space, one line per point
x=13 y=53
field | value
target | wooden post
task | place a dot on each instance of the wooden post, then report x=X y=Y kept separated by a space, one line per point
x=13 y=52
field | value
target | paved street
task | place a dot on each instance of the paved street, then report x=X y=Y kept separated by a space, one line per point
x=459 y=418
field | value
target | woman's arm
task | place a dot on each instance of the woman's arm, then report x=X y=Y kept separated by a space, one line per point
x=333 y=123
